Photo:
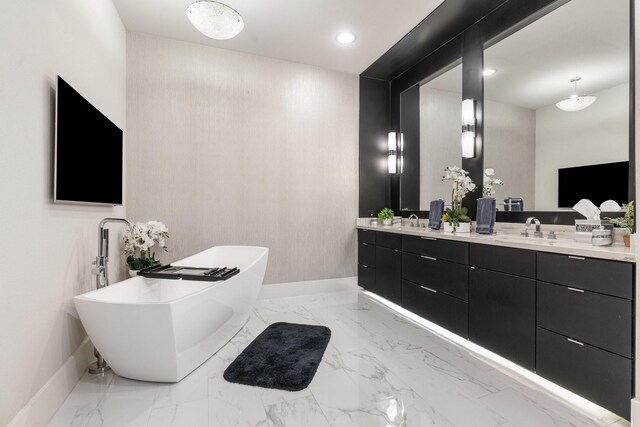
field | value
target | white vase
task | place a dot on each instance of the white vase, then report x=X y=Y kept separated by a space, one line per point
x=463 y=227
x=133 y=273
x=387 y=221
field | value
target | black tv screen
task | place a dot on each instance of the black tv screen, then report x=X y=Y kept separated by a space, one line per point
x=598 y=183
x=88 y=152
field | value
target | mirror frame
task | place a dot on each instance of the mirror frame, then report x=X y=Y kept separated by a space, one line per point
x=470 y=45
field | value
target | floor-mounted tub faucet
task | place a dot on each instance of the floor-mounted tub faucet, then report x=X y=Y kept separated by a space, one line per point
x=101 y=271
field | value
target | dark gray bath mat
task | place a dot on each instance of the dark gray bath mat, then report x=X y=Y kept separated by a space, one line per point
x=284 y=356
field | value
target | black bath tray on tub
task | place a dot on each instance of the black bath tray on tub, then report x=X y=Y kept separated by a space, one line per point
x=176 y=272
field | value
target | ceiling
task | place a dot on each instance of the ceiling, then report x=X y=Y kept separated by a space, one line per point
x=536 y=63
x=292 y=30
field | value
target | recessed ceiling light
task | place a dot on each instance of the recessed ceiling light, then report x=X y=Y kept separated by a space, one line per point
x=215 y=20
x=345 y=38
x=488 y=72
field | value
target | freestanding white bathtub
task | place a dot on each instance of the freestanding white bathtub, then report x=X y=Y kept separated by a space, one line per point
x=162 y=329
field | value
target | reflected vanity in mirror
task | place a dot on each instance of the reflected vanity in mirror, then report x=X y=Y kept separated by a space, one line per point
x=549 y=147
x=556 y=108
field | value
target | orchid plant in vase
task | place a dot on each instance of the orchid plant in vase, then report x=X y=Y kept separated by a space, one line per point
x=462 y=184
x=138 y=247
x=488 y=183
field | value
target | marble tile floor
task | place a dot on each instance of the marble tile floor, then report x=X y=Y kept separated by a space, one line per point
x=380 y=369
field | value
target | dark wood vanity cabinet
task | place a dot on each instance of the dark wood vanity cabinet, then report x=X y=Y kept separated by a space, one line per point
x=502 y=302
x=435 y=281
x=568 y=318
x=380 y=263
x=388 y=266
x=367 y=260
x=585 y=328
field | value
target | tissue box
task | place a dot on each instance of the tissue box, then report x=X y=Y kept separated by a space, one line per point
x=584 y=227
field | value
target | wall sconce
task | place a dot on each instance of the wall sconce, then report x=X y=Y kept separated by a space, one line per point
x=393 y=150
x=468 y=128
x=401 y=152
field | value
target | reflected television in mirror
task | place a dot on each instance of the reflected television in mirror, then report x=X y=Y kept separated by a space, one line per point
x=598 y=183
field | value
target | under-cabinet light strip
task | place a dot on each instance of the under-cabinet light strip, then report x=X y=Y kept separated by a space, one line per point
x=500 y=362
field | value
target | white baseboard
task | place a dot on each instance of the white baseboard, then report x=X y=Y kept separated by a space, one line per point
x=309 y=287
x=44 y=404
x=635 y=412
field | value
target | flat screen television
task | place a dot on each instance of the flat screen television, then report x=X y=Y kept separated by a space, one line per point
x=88 y=152
x=598 y=183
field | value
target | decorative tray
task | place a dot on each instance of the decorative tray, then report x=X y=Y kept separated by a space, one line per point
x=175 y=272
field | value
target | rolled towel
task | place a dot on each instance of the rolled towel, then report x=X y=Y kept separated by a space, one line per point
x=436 y=209
x=486 y=215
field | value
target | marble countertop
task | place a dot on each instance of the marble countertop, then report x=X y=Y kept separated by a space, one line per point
x=507 y=236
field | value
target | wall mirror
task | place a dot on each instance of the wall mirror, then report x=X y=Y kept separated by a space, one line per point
x=550 y=149
x=547 y=157
x=431 y=137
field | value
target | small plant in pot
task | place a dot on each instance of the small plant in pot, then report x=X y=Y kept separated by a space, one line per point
x=386 y=216
x=137 y=247
x=627 y=222
x=456 y=219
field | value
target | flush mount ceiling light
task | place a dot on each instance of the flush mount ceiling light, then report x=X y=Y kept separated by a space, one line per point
x=576 y=102
x=346 y=38
x=215 y=20
x=488 y=72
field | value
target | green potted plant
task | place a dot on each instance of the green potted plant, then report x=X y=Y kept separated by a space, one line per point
x=626 y=222
x=386 y=216
x=455 y=219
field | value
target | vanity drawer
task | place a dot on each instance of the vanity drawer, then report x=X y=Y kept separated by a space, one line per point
x=367 y=254
x=367 y=277
x=601 y=320
x=389 y=240
x=442 y=249
x=449 y=312
x=607 y=277
x=602 y=377
x=366 y=236
x=520 y=262
x=434 y=273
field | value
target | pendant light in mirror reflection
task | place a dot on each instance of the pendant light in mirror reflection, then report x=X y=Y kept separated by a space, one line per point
x=576 y=102
x=468 y=128
x=215 y=20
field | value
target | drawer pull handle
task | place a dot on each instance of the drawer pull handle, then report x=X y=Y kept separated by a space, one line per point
x=364 y=266
x=428 y=257
x=395 y=250
x=365 y=244
x=472 y=267
x=575 y=290
x=577 y=257
x=429 y=289
x=428 y=238
x=575 y=341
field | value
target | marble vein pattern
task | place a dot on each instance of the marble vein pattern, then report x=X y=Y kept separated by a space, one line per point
x=380 y=369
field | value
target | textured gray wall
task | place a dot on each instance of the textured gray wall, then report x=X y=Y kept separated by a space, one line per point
x=510 y=149
x=234 y=149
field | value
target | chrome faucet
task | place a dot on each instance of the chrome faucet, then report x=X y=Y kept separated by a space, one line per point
x=101 y=272
x=537 y=233
x=417 y=223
